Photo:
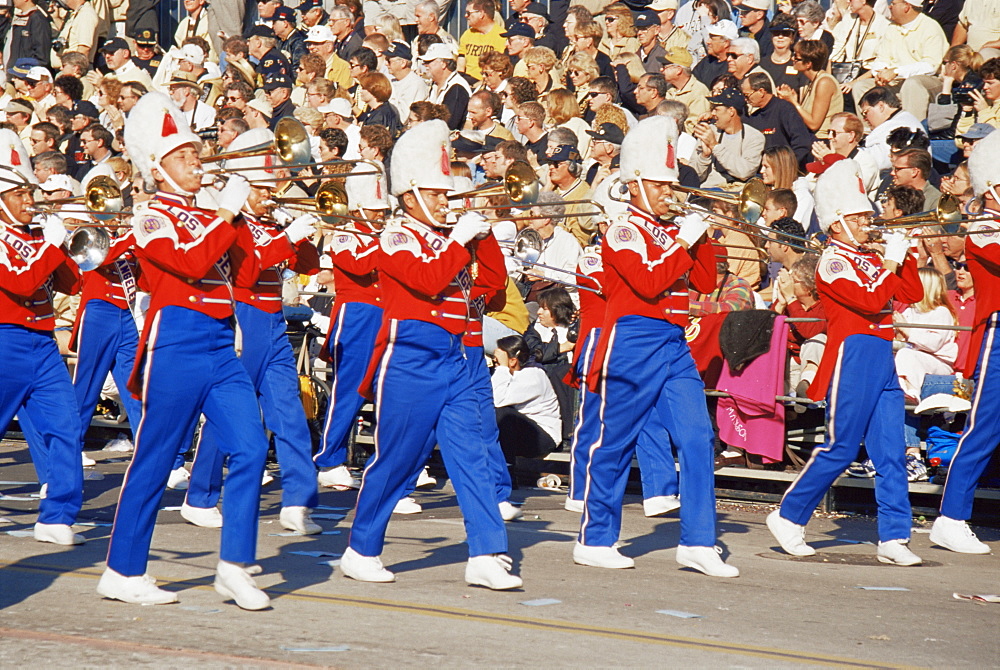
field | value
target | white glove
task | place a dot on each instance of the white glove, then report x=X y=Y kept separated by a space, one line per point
x=897 y=246
x=693 y=226
x=53 y=230
x=234 y=194
x=281 y=216
x=468 y=227
x=301 y=228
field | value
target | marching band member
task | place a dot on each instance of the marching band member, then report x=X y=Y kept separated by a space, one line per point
x=418 y=372
x=656 y=465
x=187 y=363
x=857 y=373
x=643 y=362
x=351 y=337
x=982 y=251
x=267 y=353
x=106 y=333
x=35 y=384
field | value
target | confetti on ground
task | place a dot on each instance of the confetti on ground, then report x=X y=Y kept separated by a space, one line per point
x=333 y=509
x=306 y=650
x=679 y=614
x=333 y=564
x=95 y=524
x=200 y=609
x=21 y=533
x=93 y=476
x=882 y=588
x=18 y=498
x=977 y=598
x=18 y=483
x=541 y=602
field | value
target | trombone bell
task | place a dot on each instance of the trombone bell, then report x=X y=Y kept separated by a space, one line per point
x=88 y=247
x=520 y=184
x=947 y=214
x=750 y=199
x=290 y=145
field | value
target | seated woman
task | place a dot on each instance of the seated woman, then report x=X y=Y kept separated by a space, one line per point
x=820 y=99
x=926 y=350
x=549 y=344
x=527 y=408
x=799 y=299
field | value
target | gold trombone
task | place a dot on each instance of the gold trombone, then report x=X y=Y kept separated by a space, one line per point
x=749 y=201
x=103 y=197
x=947 y=213
x=329 y=203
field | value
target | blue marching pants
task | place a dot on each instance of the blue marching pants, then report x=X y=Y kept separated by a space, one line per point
x=649 y=367
x=267 y=357
x=864 y=404
x=107 y=340
x=488 y=431
x=982 y=432
x=656 y=465
x=191 y=369
x=350 y=343
x=35 y=386
x=423 y=387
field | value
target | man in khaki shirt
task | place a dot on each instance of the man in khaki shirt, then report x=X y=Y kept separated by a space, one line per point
x=684 y=88
x=321 y=41
x=81 y=30
x=565 y=175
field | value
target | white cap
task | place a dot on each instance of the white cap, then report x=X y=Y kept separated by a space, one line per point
x=14 y=162
x=724 y=28
x=338 y=106
x=439 y=50
x=192 y=53
x=916 y=3
x=60 y=182
x=762 y=5
x=99 y=170
x=320 y=33
x=840 y=192
x=662 y=5
x=74 y=211
x=252 y=138
x=154 y=128
x=39 y=73
x=984 y=169
x=649 y=151
x=367 y=191
x=422 y=158
x=262 y=105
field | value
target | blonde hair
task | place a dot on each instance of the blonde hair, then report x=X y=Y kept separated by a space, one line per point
x=388 y=25
x=935 y=293
x=561 y=105
x=584 y=63
x=783 y=164
x=633 y=64
x=543 y=56
x=610 y=114
x=626 y=26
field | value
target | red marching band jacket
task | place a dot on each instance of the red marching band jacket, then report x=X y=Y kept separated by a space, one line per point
x=31 y=269
x=257 y=271
x=355 y=274
x=857 y=296
x=592 y=304
x=647 y=273
x=982 y=251
x=424 y=278
x=185 y=255
x=115 y=281
x=488 y=288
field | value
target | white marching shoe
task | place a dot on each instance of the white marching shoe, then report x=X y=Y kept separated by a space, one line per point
x=791 y=536
x=88 y=462
x=57 y=533
x=206 y=517
x=364 y=568
x=706 y=560
x=658 y=505
x=573 y=505
x=492 y=571
x=601 y=557
x=338 y=478
x=139 y=590
x=510 y=512
x=895 y=552
x=407 y=506
x=234 y=581
x=424 y=480
x=178 y=480
x=956 y=535
x=297 y=519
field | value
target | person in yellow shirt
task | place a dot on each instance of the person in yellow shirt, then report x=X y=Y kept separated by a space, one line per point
x=321 y=41
x=484 y=34
x=676 y=69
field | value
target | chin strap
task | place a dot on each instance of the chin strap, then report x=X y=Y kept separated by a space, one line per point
x=431 y=221
x=642 y=194
x=847 y=229
x=167 y=178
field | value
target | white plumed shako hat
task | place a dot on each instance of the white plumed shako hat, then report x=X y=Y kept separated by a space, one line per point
x=984 y=165
x=154 y=128
x=422 y=159
x=649 y=151
x=367 y=191
x=15 y=165
x=252 y=138
x=840 y=192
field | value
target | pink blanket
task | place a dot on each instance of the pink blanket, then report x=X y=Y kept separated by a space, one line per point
x=752 y=419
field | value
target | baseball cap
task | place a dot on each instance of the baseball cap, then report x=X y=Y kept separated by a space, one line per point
x=38 y=73
x=86 y=108
x=192 y=53
x=58 y=182
x=608 y=132
x=284 y=14
x=439 y=50
x=399 y=50
x=750 y=5
x=662 y=5
x=320 y=34
x=277 y=80
x=146 y=37
x=977 y=132
x=519 y=30
x=114 y=44
x=724 y=28
x=729 y=97
x=262 y=30
x=677 y=56
x=15 y=106
x=337 y=106
x=262 y=106
x=646 y=19
x=536 y=9
x=22 y=66
x=563 y=152
x=306 y=5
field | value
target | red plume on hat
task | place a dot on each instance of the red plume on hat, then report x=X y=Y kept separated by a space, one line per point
x=445 y=161
x=169 y=125
x=15 y=157
x=671 y=156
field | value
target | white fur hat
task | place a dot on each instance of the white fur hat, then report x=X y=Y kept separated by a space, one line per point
x=99 y=170
x=253 y=138
x=367 y=191
x=422 y=158
x=840 y=192
x=984 y=168
x=154 y=128
x=649 y=151
x=15 y=164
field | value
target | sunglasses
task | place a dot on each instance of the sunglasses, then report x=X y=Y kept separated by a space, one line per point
x=783 y=33
x=963 y=266
x=732 y=56
x=594 y=94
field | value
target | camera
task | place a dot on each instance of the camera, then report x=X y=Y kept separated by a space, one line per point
x=961 y=93
x=59 y=45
